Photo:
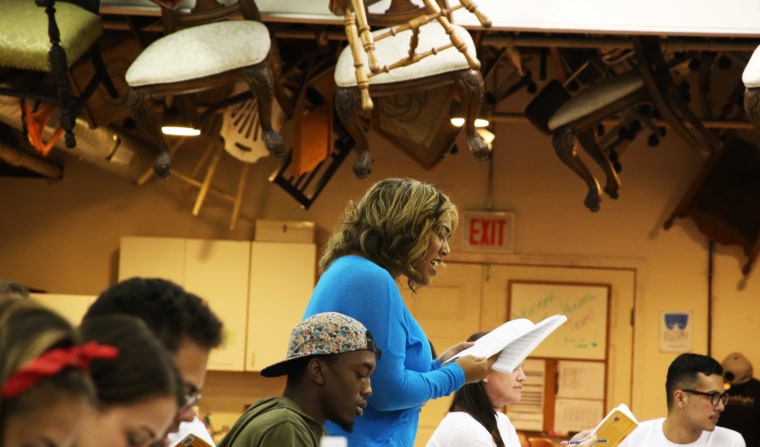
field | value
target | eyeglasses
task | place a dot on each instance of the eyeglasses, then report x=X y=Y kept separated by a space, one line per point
x=192 y=396
x=714 y=396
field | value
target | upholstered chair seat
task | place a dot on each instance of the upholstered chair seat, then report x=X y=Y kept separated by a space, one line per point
x=207 y=50
x=431 y=35
x=751 y=74
x=25 y=44
x=40 y=41
x=598 y=96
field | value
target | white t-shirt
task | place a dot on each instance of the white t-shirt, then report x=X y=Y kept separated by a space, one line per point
x=459 y=429
x=649 y=433
x=196 y=428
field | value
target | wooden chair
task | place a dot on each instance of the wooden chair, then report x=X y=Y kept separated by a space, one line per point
x=418 y=50
x=204 y=49
x=722 y=198
x=651 y=82
x=540 y=441
x=36 y=54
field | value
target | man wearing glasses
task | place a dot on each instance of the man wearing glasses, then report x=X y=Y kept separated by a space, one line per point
x=696 y=397
x=186 y=327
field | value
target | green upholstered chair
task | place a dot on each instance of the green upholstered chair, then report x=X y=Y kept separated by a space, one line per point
x=39 y=42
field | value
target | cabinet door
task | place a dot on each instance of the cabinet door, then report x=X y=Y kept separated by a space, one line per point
x=152 y=257
x=282 y=279
x=217 y=271
x=71 y=307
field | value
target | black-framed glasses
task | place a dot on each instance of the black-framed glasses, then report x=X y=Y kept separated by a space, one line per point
x=715 y=397
x=192 y=396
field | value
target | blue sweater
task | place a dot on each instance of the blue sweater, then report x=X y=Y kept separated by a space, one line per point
x=406 y=376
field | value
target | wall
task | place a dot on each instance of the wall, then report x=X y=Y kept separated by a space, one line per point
x=64 y=236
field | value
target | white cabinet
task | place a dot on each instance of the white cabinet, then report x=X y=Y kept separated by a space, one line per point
x=71 y=307
x=217 y=271
x=282 y=279
x=157 y=257
x=258 y=289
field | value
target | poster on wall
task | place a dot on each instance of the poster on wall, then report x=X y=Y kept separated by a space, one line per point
x=675 y=332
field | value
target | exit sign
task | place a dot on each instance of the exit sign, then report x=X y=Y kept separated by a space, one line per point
x=488 y=231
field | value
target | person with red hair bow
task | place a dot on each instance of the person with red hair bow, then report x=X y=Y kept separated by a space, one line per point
x=46 y=391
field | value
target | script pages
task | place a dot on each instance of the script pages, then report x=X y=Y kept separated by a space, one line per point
x=513 y=341
x=618 y=424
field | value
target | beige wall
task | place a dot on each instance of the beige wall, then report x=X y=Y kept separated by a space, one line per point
x=64 y=236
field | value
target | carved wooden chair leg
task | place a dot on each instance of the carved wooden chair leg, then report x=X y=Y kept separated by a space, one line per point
x=141 y=112
x=587 y=140
x=348 y=102
x=752 y=106
x=470 y=86
x=259 y=78
x=564 y=145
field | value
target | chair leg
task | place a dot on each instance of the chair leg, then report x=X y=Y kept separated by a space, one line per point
x=564 y=145
x=348 y=102
x=100 y=69
x=259 y=78
x=59 y=69
x=239 y=196
x=587 y=140
x=205 y=186
x=752 y=106
x=470 y=86
x=141 y=112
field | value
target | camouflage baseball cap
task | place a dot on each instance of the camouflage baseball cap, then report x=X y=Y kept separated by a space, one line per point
x=323 y=334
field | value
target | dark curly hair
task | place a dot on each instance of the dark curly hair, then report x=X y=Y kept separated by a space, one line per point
x=171 y=313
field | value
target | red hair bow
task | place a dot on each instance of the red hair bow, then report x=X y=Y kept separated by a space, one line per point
x=52 y=362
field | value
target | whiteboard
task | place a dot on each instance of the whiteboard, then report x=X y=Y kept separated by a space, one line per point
x=584 y=335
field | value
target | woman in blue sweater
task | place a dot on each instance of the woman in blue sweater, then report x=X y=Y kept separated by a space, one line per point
x=400 y=227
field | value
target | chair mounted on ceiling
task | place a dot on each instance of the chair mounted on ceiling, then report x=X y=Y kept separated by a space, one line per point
x=650 y=82
x=203 y=49
x=40 y=41
x=418 y=50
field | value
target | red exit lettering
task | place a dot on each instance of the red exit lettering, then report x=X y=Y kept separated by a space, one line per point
x=487 y=231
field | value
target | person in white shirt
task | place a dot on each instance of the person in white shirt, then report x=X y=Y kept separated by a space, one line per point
x=475 y=417
x=696 y=397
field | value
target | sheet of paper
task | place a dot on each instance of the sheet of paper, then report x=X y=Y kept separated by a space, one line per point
x=494 y=341
x=577 y=414
x=519 y=349
x=580 y=379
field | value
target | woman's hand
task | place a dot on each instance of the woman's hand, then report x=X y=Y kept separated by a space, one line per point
x=454 y=350
x=475 y=368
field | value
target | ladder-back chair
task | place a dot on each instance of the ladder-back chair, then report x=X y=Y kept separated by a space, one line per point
x=419 y=48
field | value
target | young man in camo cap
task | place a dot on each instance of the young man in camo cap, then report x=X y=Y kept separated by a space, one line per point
x=329 y=362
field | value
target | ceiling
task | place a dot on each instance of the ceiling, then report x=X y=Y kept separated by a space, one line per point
x=576 y=43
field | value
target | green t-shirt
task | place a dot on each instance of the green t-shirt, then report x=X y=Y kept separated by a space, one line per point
x=274 y=422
